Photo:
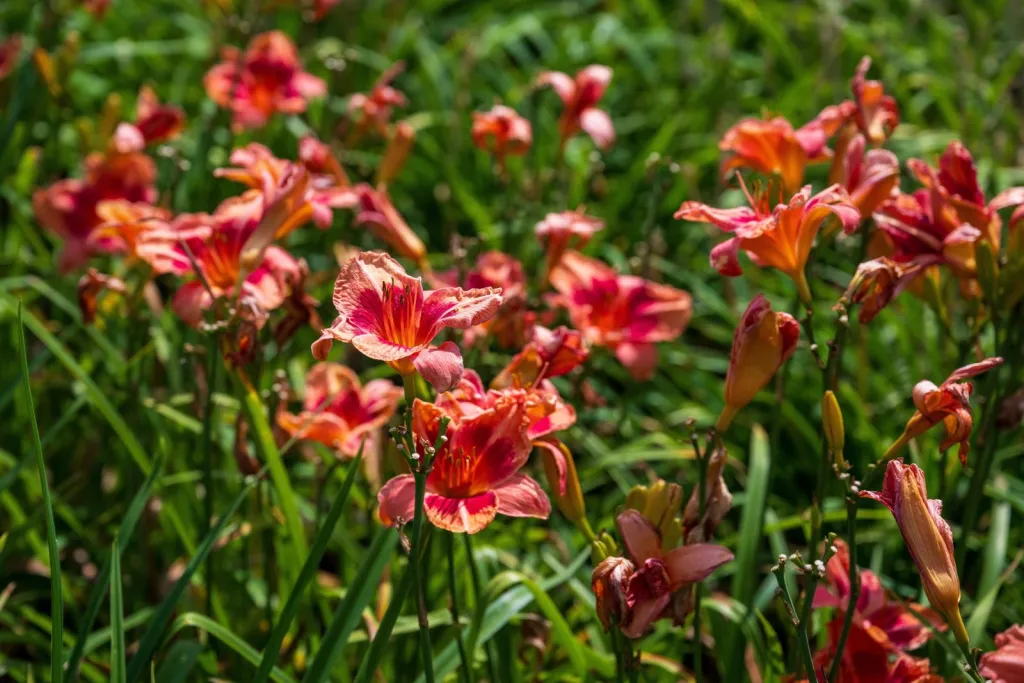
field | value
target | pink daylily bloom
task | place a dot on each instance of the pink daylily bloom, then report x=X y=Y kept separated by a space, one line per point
x=267 y=78
x=154 y=122
x=374 y=108
x=387 y=315
x=559 y=232
x=580 y=95
x=625 y=313
x=475 y=475
x=779 y=238
x=1005 y=664
x=869 y=177
x=502 y=131
x=638 y=591
x=876 y=113
x=340 y=412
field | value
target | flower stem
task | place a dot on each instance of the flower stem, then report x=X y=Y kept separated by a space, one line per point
x=851 y=542
x=803 y=642
x=454 y=609
x=415 y=559
x=702 y=470
x=478 y=595
x=213 y=364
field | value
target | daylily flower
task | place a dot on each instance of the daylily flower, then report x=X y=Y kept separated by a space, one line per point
x=638 y=591
x=141 y=231
x=374 y=108
x=501 y=131
x=927 y=536
x=475 y=474
x=624 y=313
x=256 y=167
x=773 y=147
x=154 y=122
x=324 y=168
x=560 y=231
x=875 y=113
x=376 y=212
x=869 y=177
x=267 y=78
x=763 y=341
x=948 y=404
x=69 y=207
x=89 y=288
x=229 y=251
x=580 y=96
x=1005 y=664
x=878 y=282
x=512 y=326
x=388 y=316
x=340 y=412
x=779 y=238
x=550 y=353
x=10 y=49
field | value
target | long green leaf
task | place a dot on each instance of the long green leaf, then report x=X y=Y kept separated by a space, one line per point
x=179 y=661
x=751 y=537
x=346 y=618
x=992 y=564
x=99 y=589
x=56 y=592
x=117 y=662
x=229 y=638
x=273 y=647
x=267 y=448
x=151 y=638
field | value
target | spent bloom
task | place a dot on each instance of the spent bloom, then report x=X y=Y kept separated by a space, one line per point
x=580 y=95
x=624 y=313
x=340 y=412
x=927 y=536
x=948 y=404
x=559 y=232
x=475 y=473
x=267 y=78
x=387 y=315
x=876 y=283
x=154 y=122
x=502 y=131
x=373 y=109
x=779 y=238
x=1005 y=664
x=638 y=591
x=763 y=341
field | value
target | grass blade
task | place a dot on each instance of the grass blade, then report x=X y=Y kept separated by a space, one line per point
x=117 y=674
x=56 y=593
x=751 y=536
x=124 y=534
x=151 y=638
x=273 y=647
x=229 y=638
x=346 y=618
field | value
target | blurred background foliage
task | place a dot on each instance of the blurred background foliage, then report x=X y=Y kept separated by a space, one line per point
x=683 y=73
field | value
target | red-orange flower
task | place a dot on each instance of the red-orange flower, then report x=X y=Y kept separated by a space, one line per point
x=267 y=78
x=258 y=168
x=875 y=113
x=773 y=147
x=869 y=177
x=324 y=168
x=551 y=353
x=779 y=238
x=154 y=122
x=373 y=109
x=948 y=404
x=638 y=591
x=475 y=471
x=625 y=313
x=231 y=250
x=388 y=316
x=340 y=412
x=878 y=282
x=559 y=232
x=10 y=49
x=141 y=231
x=502 y=131
x=1005 y=664
x=512 y=326
x=580 y=96
x=927 y=537
x=68 y=207
x=763 y=341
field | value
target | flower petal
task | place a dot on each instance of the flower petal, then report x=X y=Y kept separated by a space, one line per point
x=692 y=563
x=598 y=125
x=639 y=536
x=461 y=515
x=639 y=359
x=441 y=366
x=396 y=500
x=521 y=496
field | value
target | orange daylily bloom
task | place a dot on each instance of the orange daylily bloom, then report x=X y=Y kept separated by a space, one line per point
x=779 y=238
x=875 y=114
x=927 y=536
x=948 y=404
x=502 y=131
x=141 y=231
x=374 y=108
x=267 y=78
x=475 y=473
x=763 y=341
x=869 y=177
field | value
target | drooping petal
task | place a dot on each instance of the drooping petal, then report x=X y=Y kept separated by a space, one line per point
x=397 y=500
x=725 y=258
x=639 y=536
x=191 y=301
x=692 y=563
x=461 y=515
x=974 y=369
x=639 y=359
x=598 y=125
x=458 y=308
x=643 y=614
x=563 y=85
x=441 y=366
x=521 y=496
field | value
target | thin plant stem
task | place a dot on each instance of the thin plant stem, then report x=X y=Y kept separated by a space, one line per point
x=803 y=642
x=213 y=364
x=478 y=595
x=702 y=469
x=454 y=609
x=851 y=607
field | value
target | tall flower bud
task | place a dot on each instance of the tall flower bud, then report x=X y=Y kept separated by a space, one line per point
x=832 y=423
x=763 y=341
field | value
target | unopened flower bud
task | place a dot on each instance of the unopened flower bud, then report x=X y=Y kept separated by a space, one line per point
x=396 y=153
x=832 y=424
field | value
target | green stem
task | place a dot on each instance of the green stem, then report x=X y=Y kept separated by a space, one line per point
x=415 y=559
x=213 y=362
x=454 y=608
x=851 y=607
x=478 y=595
x=702 y=469
x=803 y=642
